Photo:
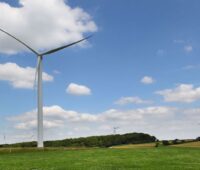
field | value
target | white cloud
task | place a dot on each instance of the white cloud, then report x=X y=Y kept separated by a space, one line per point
x=147 y=80
x=79 y=90
x=55 y=117
x=188 y=48
x=193 y=114
x=127 y=116
x=42 y=24
x=182 y=93
x=134 y=100
x=33 y=123
x=20 y=77
x=61 y=123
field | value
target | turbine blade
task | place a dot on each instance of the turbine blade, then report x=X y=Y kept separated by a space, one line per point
x=65 y=46
x=19 y=41
x=36 y=72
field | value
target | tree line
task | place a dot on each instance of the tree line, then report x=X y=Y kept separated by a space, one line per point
x=93 y=141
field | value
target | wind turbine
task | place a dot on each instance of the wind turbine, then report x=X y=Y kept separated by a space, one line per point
x=40 y=143
x=115 y=128
x=4 y=138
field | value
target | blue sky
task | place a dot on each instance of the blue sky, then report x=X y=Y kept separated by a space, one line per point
x=132 y=40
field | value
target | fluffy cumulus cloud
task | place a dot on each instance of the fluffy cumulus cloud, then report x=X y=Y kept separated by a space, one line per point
x=42 y=24
x=128 y=116
x=79 y=90
x=132 y=100
x=54 y=116
x=20 y=77
x=147 y=80
x=182 y=93
x=62 y=123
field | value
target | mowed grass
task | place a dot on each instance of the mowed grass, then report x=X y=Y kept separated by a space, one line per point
x=169 y=158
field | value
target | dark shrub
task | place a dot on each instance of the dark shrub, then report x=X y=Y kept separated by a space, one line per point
x=157 y=143
x=198 y=138
x=165 y=142
x=175 y=141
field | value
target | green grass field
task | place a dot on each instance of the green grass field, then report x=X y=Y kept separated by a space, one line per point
x=177 y=158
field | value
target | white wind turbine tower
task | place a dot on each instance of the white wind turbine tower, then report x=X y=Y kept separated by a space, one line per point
x=115 y=128
x=40 y=143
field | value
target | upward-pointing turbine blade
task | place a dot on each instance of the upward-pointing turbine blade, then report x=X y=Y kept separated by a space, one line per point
x=36 y=72
x=19 y=41
x=65 y=46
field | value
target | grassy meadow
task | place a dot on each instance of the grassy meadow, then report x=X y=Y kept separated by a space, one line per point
x=121 y=158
